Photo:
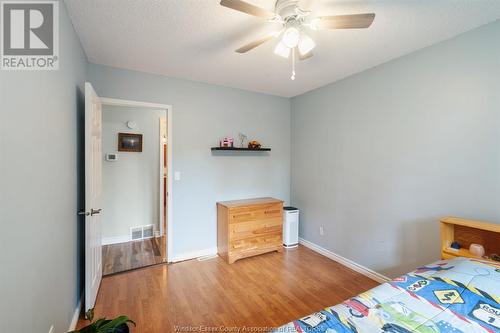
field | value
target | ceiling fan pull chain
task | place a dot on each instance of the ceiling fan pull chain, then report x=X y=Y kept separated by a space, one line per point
x=293 y=65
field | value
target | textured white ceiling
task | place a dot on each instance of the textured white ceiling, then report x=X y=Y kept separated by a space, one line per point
x=196 y=39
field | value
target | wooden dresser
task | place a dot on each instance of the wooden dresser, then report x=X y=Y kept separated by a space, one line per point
x=249 y=227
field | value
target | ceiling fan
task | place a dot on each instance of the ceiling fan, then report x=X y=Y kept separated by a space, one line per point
x=295 y=21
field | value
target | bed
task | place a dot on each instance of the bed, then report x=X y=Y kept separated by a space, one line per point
x=456 y=295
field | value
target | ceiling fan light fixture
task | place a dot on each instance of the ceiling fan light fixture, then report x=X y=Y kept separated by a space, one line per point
x=306 y=44
x=291 y=37
x=282 y=50
x=314 y=24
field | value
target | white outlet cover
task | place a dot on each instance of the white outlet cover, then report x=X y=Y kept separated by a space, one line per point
x=177 y=175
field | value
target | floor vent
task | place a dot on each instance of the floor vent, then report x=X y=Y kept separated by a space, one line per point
x=148 y=231
x=141 y=232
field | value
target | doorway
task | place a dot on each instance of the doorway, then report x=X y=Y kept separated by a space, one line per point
x=94 y=156
x=135 y=186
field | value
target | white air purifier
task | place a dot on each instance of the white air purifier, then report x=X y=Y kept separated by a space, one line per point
x=290 y=227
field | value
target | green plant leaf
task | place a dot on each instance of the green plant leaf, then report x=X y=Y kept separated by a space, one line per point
x=116 y=322
x=89 y=315
x=103 y=325
x=87 y=329
x=99 y=322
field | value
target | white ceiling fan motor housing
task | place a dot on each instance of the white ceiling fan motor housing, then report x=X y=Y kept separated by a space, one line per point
x=286 y=8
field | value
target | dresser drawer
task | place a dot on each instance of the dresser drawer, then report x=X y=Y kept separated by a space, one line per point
x=255 y=228
x=252 y=213
x=270 y=240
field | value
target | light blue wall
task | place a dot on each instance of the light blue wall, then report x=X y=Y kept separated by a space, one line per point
x=202 y=114
x=380 y=156
x=130 y=185
x=40 y=260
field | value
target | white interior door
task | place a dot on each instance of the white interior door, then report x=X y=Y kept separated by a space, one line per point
x=93 y=171
x=163 y=174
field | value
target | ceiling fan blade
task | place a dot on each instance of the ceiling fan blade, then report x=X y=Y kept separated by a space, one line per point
x=356 y=21
x=247 y=47
x=247 y=8
x=306 y=4
x=305 y=56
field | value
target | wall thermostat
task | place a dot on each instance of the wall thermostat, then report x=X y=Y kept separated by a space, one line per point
x=111 y=157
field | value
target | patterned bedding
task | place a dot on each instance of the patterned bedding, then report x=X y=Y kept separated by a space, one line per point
x=457 y=295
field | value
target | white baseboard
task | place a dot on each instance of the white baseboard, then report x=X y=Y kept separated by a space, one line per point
x=115 y=239
x=195 y=254
x=344 y=261
x=76 y=316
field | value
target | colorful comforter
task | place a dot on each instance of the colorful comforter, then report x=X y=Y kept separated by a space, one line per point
x=458 y=295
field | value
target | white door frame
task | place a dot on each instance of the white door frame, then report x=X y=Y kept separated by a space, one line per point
x=168 y=109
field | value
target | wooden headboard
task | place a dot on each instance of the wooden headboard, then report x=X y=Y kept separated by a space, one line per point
x=466 y=232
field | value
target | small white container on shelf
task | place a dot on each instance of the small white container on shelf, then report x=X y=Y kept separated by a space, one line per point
x=477 y=250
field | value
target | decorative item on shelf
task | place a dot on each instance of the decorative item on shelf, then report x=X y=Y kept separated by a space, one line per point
x=227 y=142
x=242 y=137
x=130 y=142
x=495 y=257
x=455 y=245
x=254 y=145
x=477 y=250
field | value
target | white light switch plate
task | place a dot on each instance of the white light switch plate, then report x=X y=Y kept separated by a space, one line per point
x=177 y=175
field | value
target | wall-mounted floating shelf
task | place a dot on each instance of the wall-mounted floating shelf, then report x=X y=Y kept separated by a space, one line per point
x=240 y=149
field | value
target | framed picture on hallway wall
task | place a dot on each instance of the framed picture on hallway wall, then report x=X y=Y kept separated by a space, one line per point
x=130 y=142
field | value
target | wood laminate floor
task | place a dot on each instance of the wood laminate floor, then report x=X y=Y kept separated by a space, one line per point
x=131 y=255
x=263 y=291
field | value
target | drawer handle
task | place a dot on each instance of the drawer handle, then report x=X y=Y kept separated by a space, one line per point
x=260 y=231
x=241 y=215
